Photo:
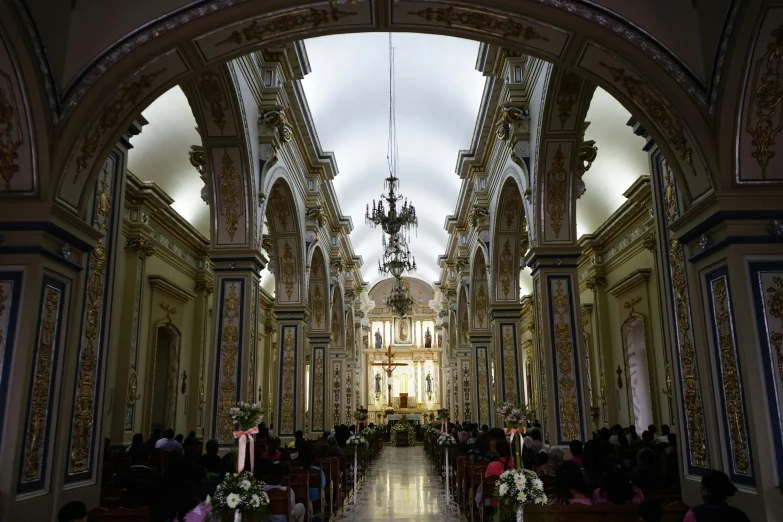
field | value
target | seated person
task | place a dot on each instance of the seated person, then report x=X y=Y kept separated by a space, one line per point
x=496 y=468
x=298 y=435
x=308 y=462
x=334 y=448
x=138 y=440
x=73 y=512
x=210 y=460
x=575 y=446
x=617 y=488
x=554 y=460
x=168 y=445
x=646 y=476
x=664 y=438
x=272 y=450
x=715 y=489
x=481 y=451
x=273 y=480
x=570 y=487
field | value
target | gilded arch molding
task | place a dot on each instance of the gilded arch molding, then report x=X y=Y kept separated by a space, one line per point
x=285 y=228
x=509 y=238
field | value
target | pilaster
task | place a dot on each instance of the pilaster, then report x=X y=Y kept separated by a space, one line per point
x=482 y=361
x=506 y=324
x=289 y=403
x=318 y=349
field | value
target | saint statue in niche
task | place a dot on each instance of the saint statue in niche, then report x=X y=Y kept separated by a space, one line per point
x=403 y=331
x=378 y=382
x=378 y=339
x=428 y=338
x=428 y=379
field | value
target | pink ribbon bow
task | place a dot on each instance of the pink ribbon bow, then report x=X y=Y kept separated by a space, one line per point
x=245 y=439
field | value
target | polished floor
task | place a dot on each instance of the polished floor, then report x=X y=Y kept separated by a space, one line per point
x=402 y=485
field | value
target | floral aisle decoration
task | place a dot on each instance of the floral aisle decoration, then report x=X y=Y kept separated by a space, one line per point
x=432 y=417
x=403 y=426
x=246 y=416
x=388 y=411
x=359 y=416
x=356 y=445
x=446 y=441
x=369 y=433
x=239 y=494
x=514 y=417
x=513 y=489
x=443 y=417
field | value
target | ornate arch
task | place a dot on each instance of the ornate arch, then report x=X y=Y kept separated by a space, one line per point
x=463 y=317
x=286 y=255
x=337 y=318
x=479 y=289
x=318 y=292
x=509 y=240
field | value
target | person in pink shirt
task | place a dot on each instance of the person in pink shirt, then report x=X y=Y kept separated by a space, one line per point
x=617 y=488
x=272 y=451
x=576 y=451
x=502 y=464
x=570 y=486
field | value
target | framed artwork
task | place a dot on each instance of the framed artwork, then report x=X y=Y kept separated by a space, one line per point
x=403 y=331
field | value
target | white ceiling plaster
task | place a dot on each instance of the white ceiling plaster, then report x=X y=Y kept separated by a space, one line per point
x=160 y=155
x=438 y=92
x=620 y=162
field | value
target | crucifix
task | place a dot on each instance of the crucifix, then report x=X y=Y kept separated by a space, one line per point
x=389 y=367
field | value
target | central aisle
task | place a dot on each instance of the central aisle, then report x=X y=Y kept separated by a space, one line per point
x=404 y=486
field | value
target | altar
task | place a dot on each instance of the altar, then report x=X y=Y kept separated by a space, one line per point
x=410 y=416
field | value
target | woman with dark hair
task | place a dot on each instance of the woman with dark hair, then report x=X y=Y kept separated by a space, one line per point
x=715 y=489
x=136 y=442
x=570 y=487
x=480 y=451
x=617 y=488
x=504 y=460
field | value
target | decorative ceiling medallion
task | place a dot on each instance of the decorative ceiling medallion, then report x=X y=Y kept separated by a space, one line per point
x=480 y=21
x=288 y=23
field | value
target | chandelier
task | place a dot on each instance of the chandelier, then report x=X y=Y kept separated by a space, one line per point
x=399 y=301
x=397 y=258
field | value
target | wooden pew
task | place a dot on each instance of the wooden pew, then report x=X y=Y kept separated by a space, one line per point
x=598 y=513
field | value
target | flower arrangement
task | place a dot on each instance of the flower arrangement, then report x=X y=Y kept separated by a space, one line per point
x=446 y=441
x=514 y=415
x=388 y=411
x=239 y=492
x=359 y=415
x=246 y=415
x=432 y=417
x=516 y=487
x=356 y=444
x=368 y=433
x=403 y=426
x=444 y=415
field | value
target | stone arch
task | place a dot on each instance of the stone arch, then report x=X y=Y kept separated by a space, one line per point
x=283 y=220
x=509 y=240
x=479 y=290
x=104 y=98
x=318 y=292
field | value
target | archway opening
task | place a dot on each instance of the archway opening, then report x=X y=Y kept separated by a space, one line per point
x=163 y=386
x=638 y=374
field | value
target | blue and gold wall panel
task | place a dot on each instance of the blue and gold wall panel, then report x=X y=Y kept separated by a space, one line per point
x=228 y=357
x=10 y=298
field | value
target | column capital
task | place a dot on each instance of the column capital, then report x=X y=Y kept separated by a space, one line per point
x=239 y=260
x=553 y=257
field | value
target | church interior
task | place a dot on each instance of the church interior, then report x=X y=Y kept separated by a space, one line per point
x=367 y=211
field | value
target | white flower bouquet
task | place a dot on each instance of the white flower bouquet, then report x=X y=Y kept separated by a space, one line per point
x=239 y=492
x=359 y=416
x=446 y=441
x=516 y=487
x=246 y=415
x=356 y=444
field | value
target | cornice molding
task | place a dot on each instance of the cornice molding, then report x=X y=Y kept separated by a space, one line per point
x=170 y=288
x=629 y=282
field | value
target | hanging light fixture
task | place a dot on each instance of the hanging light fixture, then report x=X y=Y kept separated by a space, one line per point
x=399 y=300
x=397 y=216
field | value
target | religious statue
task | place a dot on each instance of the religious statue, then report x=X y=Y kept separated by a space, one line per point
x=378 y=339
x=428 y=379
x=378 y=382
x=403 y=331
x=428 y=338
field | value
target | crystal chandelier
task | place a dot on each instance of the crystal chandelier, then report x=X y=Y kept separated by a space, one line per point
x=397 y=258
x=399 y=301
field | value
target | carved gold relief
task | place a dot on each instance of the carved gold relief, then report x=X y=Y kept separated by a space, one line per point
x=229 y=350
x=509 y=364
x=42 y=385
x=251 y=366
x=289 y=270
x=10 y=131
x=766 y=102
x=512 y=208
x=288 y=382
x=318 y=391
x=463 y=323
x=567 y=95
x=348 y=392
x=304 y=19
x=662 y=117
x=84 y=407
x=337 y=382
x=3 y=299
x=542 y=371
x=732 y=390
x=212 y=92
x=504 y=26
x=506 y=268
x=481 y=305
x=230 y=194
x=125 y=100
x=775 y=304
x=556 y=188
x=279 y=208
x=564 y=346
x=318 y=306
x=483 y=387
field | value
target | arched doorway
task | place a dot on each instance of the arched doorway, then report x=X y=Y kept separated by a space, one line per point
x=162 y=387
x=638 y=375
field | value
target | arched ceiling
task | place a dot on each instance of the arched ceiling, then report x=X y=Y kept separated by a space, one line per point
x=420 y=291
x=438 y=92
x=620 y=162
x=160 y=155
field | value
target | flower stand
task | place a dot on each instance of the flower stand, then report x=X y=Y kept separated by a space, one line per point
x=447 y=504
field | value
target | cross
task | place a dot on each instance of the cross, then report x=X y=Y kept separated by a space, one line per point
x=389 y=367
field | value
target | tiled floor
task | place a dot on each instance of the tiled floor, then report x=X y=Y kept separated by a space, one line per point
x=403 y=486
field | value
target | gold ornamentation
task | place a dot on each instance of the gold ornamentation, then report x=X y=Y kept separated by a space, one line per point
x=229 y=350
x=664 y=119
x=279 y=208
x=318 y=306
x=564 y=346
x=483 y=386
x=595 y=282
x=775 y=304
x=766 y=102
x=732 y=391
x=198 y=158
x=567 y=95
x=506 y=268
x=557 y=184
x=629 y=305
x=251 y=366
x=10 y=131
x=481 y=305
x=509 y=364
x=588 y=152
x=277 y=119
x=476 y=215
x=318 y=390
x=289 y=382
x=284 y=24
x=337 y=382
x=133 y=386
x=348 y=391
x=204 y=286
x=82 y=436
x=466 y=389
x=670 y=196
x=212 y=92
x=649 y=241
x=230 y=194
x=170 y=310
x=42 y=385
x=335 y=333
x=142 y=246
x=289 y=270
x=512 y=208
x=504 y=26
x=267 y=243
x=125 y=100
x=509 y=117
x=463 y=323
